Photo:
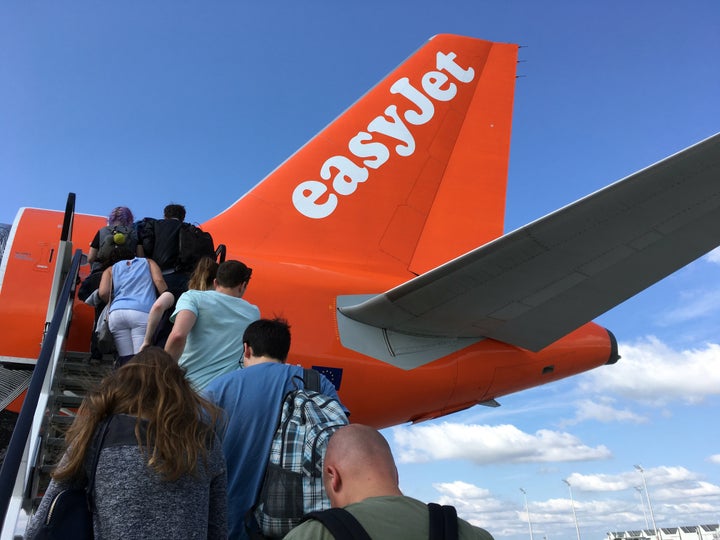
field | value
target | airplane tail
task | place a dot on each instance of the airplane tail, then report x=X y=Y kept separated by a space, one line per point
x=411 y=176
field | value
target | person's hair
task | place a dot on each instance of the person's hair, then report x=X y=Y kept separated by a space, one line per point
x=204 y=274
x=151 y=386
x=120 y=253
x=232 y=274
x=176 y=211
x=269 y=337
x=121 y=215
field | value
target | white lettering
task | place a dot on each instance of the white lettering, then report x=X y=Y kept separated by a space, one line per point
x=427 y=109
x=396 y=129
x=432 y=84
x=317 y=200
x=447 y=62
x=306 y=195
x=348 y=177
x=361 y=149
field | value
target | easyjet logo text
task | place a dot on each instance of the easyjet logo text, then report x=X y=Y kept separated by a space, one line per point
x=341 y=174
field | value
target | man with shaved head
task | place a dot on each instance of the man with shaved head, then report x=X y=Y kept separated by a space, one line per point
x=360 y=475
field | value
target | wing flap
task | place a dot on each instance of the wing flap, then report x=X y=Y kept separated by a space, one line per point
x=538 y=283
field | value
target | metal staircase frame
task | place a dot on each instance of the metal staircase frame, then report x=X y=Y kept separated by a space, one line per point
x=18 y=472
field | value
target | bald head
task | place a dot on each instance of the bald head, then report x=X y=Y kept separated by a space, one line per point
x=358 y=464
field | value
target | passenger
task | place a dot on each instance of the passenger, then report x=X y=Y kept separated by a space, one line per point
x=166 y=247
x=360 y=475
x=121 y=218
x=160 y=241
x=202 y=279
x=131 y=285
x=161 y=471
x=206 y=338
x=251 y=398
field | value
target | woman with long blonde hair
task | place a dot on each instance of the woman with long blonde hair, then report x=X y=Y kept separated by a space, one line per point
x=161 y=472
x=202 y=279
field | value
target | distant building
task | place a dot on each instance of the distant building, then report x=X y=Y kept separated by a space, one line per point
x=692 y=532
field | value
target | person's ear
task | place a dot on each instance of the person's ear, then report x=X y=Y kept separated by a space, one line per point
x=247 y=350
x=334 y=480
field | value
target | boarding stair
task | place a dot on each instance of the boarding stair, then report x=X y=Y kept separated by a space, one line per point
x=74 y=377
x=57 y=385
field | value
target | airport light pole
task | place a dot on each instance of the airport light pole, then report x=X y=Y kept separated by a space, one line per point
x=647 y=495
x=642 y=503
x=527 y=511
x=572 y=504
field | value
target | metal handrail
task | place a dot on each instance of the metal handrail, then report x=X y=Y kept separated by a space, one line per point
x=19 y=439
x=69 y=219
x=220 y=253
x=62 y=295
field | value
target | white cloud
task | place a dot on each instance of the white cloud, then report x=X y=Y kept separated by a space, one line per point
x=714 y=459
x=603 y=482
x=462 y=490
x=714 y=256
x=601 y=410
x=657 y=476
x=479 y=507
x=483 y=444
x=469 y=499
x=694 y=304
x=692 y=490
x=675 y=491
x=652 y=372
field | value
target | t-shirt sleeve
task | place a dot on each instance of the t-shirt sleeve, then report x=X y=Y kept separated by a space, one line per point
x=187 y=301
x=327 y=388
x=95 y=241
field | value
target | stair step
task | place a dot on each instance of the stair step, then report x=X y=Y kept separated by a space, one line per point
x=75 y=376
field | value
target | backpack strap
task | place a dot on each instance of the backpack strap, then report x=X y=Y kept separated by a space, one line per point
x=443 y=522
x=341 y=524
x=311 y=379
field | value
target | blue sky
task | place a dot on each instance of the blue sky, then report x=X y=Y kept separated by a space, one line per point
x=141 y=103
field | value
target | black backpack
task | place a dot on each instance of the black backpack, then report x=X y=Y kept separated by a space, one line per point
x=193 y=245
x=146 y=235
x=344 y=526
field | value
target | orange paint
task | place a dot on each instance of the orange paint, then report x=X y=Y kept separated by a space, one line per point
x=411 y=176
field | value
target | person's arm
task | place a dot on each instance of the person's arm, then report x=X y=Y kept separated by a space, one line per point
x=94 y=246
x=105 y=288
x=157 y=277
x=92 y=255
x=184 y=322
x=328 y=389
x=161 y=305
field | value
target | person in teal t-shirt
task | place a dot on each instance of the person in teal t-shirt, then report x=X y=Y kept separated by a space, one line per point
x=206 y=338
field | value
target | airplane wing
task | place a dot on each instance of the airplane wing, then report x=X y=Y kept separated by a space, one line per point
x=532 y=286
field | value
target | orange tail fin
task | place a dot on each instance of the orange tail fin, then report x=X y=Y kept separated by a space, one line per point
x=412 y=175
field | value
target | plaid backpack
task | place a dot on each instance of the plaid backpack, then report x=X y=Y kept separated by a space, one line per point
x=293 y=479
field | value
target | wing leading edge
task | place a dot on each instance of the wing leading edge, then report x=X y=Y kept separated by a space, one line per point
x=532 y=286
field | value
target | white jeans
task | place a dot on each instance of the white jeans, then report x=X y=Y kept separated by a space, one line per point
x=128 y=329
